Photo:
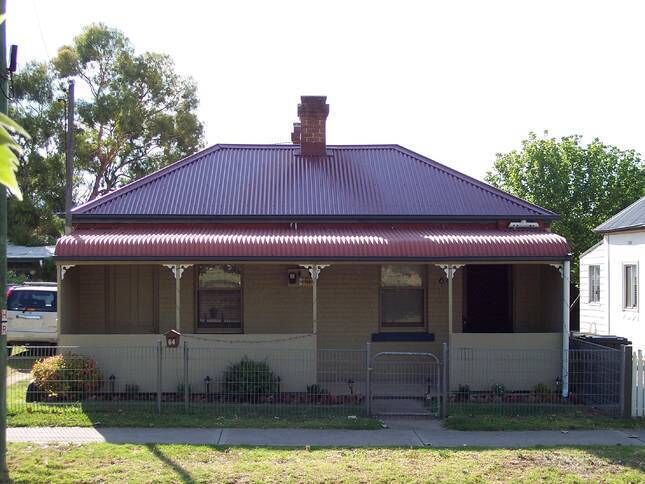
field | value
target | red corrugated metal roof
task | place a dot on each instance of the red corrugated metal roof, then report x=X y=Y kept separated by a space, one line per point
x=308 y=241
x=373 y=181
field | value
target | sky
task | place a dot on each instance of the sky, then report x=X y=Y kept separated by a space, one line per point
x=457 y=81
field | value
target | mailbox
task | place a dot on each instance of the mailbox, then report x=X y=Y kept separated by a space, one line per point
x=172 y=338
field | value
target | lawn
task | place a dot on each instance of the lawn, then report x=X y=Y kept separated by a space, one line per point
x=188 y=463
x=490 y=417
x=539 y=422
x=144 y=414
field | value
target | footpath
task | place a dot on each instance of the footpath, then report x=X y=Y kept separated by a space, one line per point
x=399 y=433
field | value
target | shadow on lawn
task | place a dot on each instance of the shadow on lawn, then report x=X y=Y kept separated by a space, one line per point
x=182 y=473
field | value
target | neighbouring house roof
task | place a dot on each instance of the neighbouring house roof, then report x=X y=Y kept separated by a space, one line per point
x=308 y=241
x=274 y=181
x=24 y=253
x=633 y=217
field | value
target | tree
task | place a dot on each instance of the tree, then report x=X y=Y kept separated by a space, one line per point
x=135 y=114
x=585 y=185
x=139 y=115
x=41 y=171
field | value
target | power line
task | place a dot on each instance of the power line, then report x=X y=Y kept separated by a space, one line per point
x=40 y=28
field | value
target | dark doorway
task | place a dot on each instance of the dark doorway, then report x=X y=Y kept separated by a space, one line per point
x=488 y=299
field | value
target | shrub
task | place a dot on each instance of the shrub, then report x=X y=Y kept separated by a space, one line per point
x=249 y=378
x=542 y=392
x=66 y=376
x=317 y=389
x=131 y=389
x=463 y=393
x=498 y=389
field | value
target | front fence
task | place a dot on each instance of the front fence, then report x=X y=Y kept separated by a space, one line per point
x=529 y=382
x=230 y=382
x=275 y=382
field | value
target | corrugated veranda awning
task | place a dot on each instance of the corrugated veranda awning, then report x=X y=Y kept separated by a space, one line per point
x=308 y=241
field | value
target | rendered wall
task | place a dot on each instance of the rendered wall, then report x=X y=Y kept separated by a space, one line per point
x=517 y=361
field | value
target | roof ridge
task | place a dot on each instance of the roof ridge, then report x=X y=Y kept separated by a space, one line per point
x=624 y=211
x=475 y=182
x=175 y=165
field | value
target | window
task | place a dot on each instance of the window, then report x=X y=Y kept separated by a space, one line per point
x=402 y=296
x=631 y=286
x=30 y=300
x=594 y=284
x=219 y=298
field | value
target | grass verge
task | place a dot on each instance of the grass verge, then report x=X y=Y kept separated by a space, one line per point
x=539 y=422
x=189 y=463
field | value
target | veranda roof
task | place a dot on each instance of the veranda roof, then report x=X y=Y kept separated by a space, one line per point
x=341 y=241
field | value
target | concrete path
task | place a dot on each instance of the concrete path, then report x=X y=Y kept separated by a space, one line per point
x=400 y=433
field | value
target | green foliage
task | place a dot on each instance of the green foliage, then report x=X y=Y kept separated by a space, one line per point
x=9 y=151
x=131 y=389
x=67 y=376
x=498 y=389
x=585 y=185
x=135 y=114
x=14 y=278
x=248 y=378
x=463 y=393
x=541 y=389
x=316 y=389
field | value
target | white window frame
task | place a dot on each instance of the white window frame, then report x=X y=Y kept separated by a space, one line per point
x=590 y=278
x=624 y=284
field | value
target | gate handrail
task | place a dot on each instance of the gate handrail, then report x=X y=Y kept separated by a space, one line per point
x=407 y=353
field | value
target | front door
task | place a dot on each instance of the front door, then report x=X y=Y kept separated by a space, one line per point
x=488 y=299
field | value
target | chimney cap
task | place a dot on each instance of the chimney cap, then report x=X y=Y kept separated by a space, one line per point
x=313 y=105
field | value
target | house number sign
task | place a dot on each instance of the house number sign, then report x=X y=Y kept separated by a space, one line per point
x=172 y=338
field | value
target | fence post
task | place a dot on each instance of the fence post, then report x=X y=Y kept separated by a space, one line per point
x=368 y=380
x=626 y=381
x=159 y=372
x=186 y=395
x=444 y=382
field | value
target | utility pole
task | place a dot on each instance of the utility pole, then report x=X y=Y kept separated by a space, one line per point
x=69 y=157
x=3 y=258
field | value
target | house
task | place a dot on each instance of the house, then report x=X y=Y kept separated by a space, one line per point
x=310 y=246
x=609 y=277
x=30 y=261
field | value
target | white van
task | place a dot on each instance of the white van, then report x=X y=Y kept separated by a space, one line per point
x=31 y=313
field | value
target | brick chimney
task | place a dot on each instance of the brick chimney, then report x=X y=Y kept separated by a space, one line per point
x=295 y=134
x=312 y=111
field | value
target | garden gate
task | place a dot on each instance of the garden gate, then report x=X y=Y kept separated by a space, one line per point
x=405 y=384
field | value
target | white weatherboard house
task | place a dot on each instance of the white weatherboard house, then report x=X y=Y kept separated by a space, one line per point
x=610 y=303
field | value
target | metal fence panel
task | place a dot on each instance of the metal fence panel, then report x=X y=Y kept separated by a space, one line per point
x=512 y=381
x=265 y=381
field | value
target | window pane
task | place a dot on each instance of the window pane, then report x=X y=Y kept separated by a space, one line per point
x=594 y=283
x=402 y=307
x=402 y=276
x=219 y=276
x=631 y=286
x=220 y=308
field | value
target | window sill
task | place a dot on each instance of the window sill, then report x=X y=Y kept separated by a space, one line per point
x=402 y=336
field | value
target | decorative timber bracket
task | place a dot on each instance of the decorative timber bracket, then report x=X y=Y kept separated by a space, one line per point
x=559 y=268
x=177 y=269
x=64 y=269
x=314 y=269
x=450 y=269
